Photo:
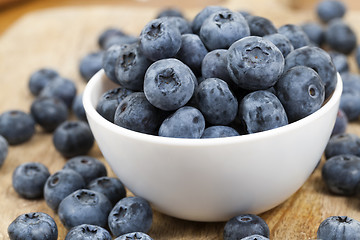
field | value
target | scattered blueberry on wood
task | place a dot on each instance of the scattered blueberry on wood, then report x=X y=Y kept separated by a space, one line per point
x=33 y=226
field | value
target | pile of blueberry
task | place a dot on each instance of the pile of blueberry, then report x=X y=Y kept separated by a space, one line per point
x=55 y=98
x=225 y=73
x=90 y=204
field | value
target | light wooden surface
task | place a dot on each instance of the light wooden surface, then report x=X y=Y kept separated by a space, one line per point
x=11 y=10
x=58 y=38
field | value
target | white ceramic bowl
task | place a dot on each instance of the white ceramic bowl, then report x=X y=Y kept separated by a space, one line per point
x=212 y=179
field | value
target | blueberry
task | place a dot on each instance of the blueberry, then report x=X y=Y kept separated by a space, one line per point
x=108 y=33
x=90 y=64
x=341 y=123
x=357 y=56
x=255 y=237
x=159 y=39
x=61 y=88
x=261 y=110
x=16 y=126
x=49 y=112
x=134 y=236
x=111 y=187
x=4 y=149
x=295 y=34
x=219 y=132
x=203 y=15
x=340 y=61
x=88 y=232
x=78 y=108
x=120 y=40
x=110 y=100
x=317 y=59
x=40 y=78
x=344 y=143
x=281 y=42
x=350 y=95
x=114 y=36
x=301 y=92
x=169 y=84
x=315 y=32
x=33 y=226
x=88 y=167
x=348 y=104
x=170 y=12
x=216 y=101
x=28 y=179
x=341 y=174
x=181 y=23
x=330 y=9
x=260 y=26
x=340 y=36
x=84 y=207
x=254 y=63
x=214 y=65
x=130 y=67
x=137 y=114
x=130 y=214
x=338 y=227
x=109 y=60
x=245 y=225
x=223 y=28
x=192 y=52
x=186 y=122
x=61 y=184
x=73 y=138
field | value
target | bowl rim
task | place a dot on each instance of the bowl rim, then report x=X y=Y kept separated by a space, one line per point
x=90 y=110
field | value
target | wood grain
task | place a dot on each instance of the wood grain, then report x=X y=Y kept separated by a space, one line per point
x=58 y=38
x=11 y=10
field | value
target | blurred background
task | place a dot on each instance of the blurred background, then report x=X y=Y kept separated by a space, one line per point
x=11 y=10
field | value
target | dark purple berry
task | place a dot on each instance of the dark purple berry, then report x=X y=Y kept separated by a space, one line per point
x=130 y=214
x=111 y=187
x=134 y=236
x=341 y=174
x=49 y=112
x=339 y=227
x=84 y=207
x=33 y=226
x=90 y=64
x=245 y=225
x=88 y=232
x=73 y=138
x=110 y=100
x=40 y=78
x=88 y=167
x=61 y=88
x=78 y=108
x=341 y=123
x=344 y=143
x=330 y=9
x=16 y=126
x=28 y=179
x=61 y=184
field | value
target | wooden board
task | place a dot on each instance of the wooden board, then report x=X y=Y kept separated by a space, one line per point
x=58 y=38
